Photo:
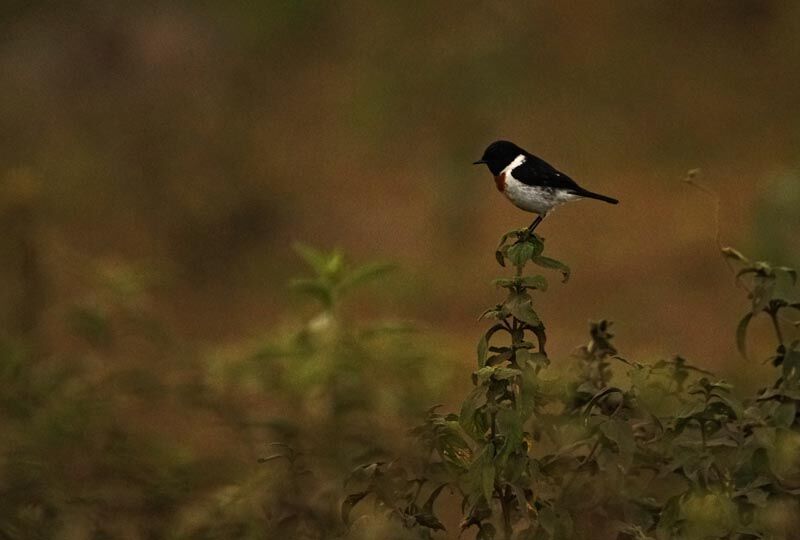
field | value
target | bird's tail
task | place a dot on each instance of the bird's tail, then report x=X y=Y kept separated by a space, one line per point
x=591 y=195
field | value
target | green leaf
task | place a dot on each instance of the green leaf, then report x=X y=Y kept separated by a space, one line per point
x=785 y=414
x=483 y=374
x=504 y=373
x=497 y=312
x=520 y=253
x=314 y=288
x=487 y=478
x=733 y=404
x=483 y=348
x=720 y=386
x=366 y=273
x=504 y=282
x=313 y=257
x=537 y=360
x=335 y=263
x=547 y=262
x=534 y=282
x=509 y=423
x=469 y=408
x=504 y=238
x=504 y=355
x=537 y=243
x=519 y=305
x=731 y=253
x=741 y=334
x=517 y=233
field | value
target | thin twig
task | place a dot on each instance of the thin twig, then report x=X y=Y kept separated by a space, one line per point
x=691 y=179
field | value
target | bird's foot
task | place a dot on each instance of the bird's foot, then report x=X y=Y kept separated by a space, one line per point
x=527 y=234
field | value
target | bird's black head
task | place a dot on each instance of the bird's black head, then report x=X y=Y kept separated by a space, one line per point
x=498 y=155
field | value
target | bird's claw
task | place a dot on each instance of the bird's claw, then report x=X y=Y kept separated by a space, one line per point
x=527 y=234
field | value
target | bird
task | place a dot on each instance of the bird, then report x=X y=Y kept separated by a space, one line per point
x=531 y=183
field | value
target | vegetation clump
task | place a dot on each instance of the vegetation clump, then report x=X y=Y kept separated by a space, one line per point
x=597 y=446
x=664 y=450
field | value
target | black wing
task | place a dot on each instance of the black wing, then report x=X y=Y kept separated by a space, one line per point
x=537 y=172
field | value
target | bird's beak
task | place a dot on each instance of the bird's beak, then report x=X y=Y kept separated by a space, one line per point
x=479 y=162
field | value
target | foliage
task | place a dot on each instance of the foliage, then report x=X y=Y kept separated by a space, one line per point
x=668 y=451
x=329 y=366
x=604 y=447
x=332 y=392
x=89 y=449
x=69 y=468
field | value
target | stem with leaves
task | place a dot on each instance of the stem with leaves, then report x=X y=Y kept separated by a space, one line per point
x=504 y=398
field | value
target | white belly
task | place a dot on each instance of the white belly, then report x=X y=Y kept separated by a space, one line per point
x=539 y=200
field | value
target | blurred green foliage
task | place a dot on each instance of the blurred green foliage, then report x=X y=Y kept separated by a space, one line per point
x=333 y=391
x=344 y=391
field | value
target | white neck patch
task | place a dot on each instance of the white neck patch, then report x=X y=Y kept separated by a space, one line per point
x=519 y=160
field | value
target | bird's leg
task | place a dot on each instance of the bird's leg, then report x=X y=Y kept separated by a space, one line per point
x=529 y=231
x=535 y=224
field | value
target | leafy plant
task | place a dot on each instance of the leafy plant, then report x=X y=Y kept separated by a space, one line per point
x=332 y=390
x=333 y=278
x=666 y=451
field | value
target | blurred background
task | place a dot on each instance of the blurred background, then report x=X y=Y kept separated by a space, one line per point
x=159 y=161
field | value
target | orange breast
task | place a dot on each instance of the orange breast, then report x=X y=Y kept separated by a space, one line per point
x=500 y=182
